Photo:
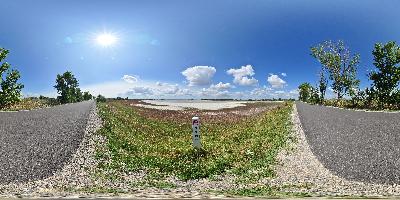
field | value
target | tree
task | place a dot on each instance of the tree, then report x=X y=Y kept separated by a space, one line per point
x=79 y=95
x=314 y=96
x=335 y=58
x=386 y=79
x=67 y=87
x=101 y=98
x=87 y=96
x=10 y=88
x=305 y=92
x=323 y=84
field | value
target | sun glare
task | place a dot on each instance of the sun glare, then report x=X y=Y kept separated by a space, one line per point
x=106 y=39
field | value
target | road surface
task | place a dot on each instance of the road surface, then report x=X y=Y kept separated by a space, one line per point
x=356 y=145
x=34 y=144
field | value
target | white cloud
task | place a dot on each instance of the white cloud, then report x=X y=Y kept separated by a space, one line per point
x=170 y=89
x=243 y=75
x=258 y=92
x=294 y=92
x=283 y=74
x=212 y=93
x=219 y=90
x=108 y=89
x=130 y=79
x=167 y=88
x=199 y=75
x=221 y=86
x=275 y=81
x=159 y=83
x=139 y=90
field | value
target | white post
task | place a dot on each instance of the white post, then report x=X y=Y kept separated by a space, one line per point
x=196 y=132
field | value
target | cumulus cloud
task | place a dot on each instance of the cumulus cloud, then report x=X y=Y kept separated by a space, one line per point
x=275 y=81
x=140 y=90
x=219 y=90
x=243 y=76
x=199 y=75
x=294 y=92
x=208 y=92
x=159 y=83
x=283 y=74
x=170 y=89
x=130 y=79
x=221 y=86
x=261 y=91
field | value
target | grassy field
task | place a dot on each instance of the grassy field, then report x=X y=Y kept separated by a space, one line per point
x=242 y=142
x=30 y=103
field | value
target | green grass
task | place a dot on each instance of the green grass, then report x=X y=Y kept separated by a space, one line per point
x=29 y=104
x=246 y=149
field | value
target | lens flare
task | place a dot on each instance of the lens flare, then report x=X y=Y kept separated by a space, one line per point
x=106 y=39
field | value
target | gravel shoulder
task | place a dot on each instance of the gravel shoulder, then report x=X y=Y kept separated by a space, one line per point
x=299 y=170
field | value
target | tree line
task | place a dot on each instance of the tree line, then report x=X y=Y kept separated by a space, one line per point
x=338 y=72
x=66 y=84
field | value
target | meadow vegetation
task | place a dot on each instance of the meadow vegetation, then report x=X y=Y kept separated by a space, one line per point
x=159 y=142
x=32 y=103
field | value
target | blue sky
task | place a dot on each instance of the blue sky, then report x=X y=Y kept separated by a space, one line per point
x=185 y=49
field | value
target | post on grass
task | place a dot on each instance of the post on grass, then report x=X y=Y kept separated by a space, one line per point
x=196 y=132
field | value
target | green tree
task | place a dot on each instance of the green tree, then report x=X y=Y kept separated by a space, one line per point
x=314 y=96
x=323 y=84
x=87 y=96
x=67 y=87
x=10 y=92
x=101 y=98
x=335 y=58
x=386 y=79
x=305 y=92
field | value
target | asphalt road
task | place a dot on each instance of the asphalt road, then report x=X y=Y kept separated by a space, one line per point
x=361 y=146
x=34 y=144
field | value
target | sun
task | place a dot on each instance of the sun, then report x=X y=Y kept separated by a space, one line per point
x=106 y=39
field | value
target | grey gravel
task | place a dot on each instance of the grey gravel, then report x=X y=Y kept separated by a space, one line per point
x=362 y=146
x=35 y=144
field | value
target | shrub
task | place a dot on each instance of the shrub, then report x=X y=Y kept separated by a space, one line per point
x=87 y=96
x=101 y=98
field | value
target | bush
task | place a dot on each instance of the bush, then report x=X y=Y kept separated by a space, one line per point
x=87 y=96
x=101 y=98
